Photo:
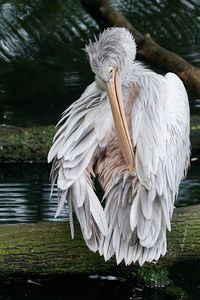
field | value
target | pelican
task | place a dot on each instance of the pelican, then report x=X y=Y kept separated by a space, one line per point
x=130 y=130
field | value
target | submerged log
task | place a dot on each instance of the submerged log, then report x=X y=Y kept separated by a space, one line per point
x=47 y=248
x=105 y=15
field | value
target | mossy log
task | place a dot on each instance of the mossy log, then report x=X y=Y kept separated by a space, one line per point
x=33 y=144
x=25 y=144
x=47 y=248
x=105 y=15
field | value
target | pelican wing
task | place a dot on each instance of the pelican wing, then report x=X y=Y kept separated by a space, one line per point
x=139 y=205
x=160 y=127
x=86 y=124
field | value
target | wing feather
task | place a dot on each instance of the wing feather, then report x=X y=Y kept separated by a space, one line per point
x=139 y=206
x=73 y=150
x=161 y=137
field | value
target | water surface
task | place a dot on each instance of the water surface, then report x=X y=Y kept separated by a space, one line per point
x=25 y=193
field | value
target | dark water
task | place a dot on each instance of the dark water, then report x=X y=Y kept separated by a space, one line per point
x=25 y=194
x=89 y=287
x=98 y=287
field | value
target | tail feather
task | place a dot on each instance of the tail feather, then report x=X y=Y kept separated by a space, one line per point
x=136 y=231
x=61 y=203
x=71 y=222
x=84 y=202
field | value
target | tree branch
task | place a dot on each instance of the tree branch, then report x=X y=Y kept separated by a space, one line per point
x=105 y=15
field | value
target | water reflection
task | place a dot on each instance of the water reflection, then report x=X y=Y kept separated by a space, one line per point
x=42 y=70
x=24 y=195
x=25 y=191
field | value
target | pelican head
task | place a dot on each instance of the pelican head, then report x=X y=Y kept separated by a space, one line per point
x=114 y=49
x=110 y=56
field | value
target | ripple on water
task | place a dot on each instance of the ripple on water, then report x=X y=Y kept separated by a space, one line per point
x=27 y=203
x=25 y=193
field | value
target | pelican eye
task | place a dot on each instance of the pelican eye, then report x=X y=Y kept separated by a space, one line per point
x=111 y=72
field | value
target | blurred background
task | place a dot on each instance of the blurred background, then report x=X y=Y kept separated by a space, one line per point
x=43 y=69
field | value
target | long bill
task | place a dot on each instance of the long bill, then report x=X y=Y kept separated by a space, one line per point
x=113 y=88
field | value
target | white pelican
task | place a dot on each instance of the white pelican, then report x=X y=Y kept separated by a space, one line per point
x=130 y=129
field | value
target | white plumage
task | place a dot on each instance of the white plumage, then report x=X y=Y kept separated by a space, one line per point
x=139 y=194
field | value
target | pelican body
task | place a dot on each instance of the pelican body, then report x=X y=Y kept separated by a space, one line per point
x=130 y=129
